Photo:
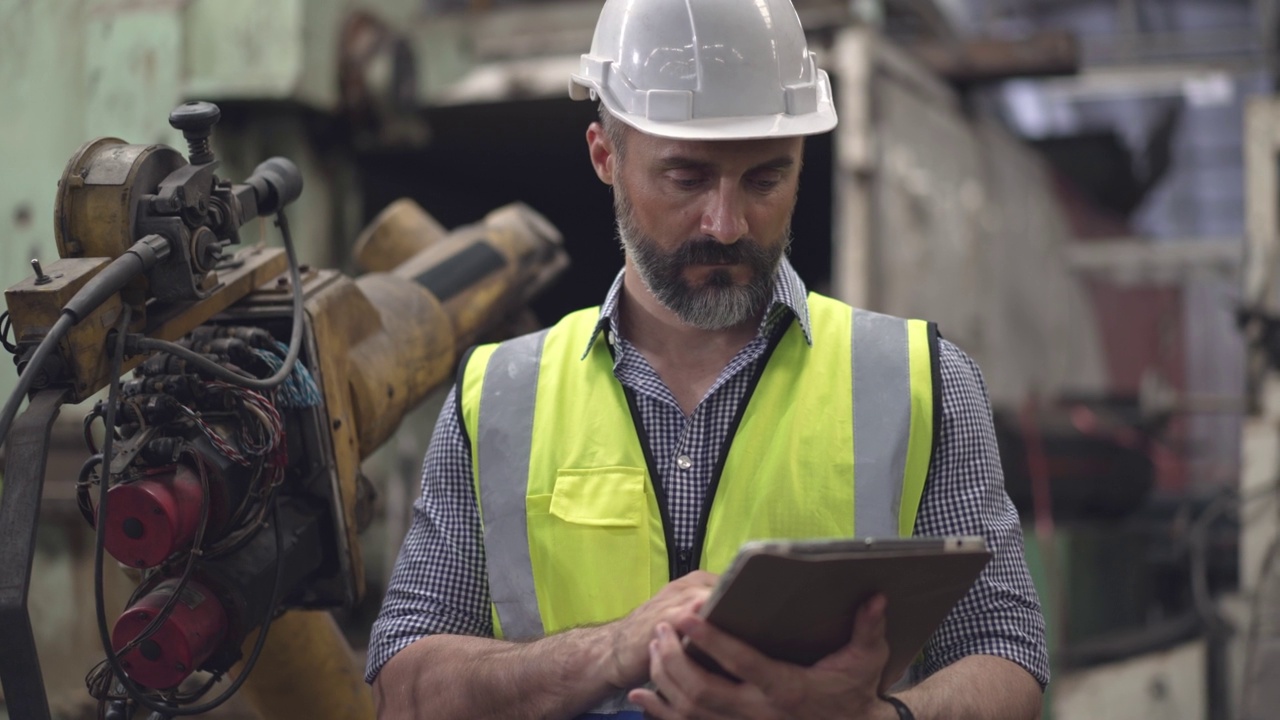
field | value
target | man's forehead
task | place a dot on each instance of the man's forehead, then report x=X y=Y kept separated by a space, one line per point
x=714 y=150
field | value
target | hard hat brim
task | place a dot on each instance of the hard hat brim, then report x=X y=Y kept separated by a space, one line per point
x=737 y=128
x=822 y=119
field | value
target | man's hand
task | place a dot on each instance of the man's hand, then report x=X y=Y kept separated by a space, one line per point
x=630 y=636
x=844 y=684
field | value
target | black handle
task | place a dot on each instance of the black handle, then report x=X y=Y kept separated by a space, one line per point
x=276 y=183
x=196 y=120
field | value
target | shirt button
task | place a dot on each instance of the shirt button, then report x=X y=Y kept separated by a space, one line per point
x=683 y=462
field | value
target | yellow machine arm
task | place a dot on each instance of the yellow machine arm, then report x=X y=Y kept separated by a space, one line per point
x=237 y=498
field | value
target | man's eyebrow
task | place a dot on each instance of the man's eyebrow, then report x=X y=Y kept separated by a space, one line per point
x=782 y=162
x=680 y=161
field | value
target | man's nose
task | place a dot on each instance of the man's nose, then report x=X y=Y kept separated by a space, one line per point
x=725 y=216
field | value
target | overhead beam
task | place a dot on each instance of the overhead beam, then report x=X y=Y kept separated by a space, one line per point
x=1130 y=261
x=967 y=62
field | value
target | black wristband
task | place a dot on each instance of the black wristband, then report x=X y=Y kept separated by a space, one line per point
x=904 y=712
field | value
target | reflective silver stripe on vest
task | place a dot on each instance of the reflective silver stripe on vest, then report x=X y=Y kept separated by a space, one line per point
x=506 y=438
x=881 y=421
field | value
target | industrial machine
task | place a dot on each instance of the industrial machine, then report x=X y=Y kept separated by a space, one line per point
x=227 y=476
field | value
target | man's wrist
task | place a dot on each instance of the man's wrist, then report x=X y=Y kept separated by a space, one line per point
x=900 y=708
x=603 y=643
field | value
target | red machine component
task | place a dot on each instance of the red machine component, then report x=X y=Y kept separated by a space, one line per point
x=184 y=640
x=150 y=519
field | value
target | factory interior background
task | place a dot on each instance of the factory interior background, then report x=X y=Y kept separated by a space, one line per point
x=1083 y=194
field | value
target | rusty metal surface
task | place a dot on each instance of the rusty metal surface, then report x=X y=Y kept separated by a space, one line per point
x=341 y=317
x=98 y=192
x=98 y=197
x=35 y=307
x=287 y=49
x=271 y=38
x=383 y=341
x=403 y=229
x=531 y=255
x=378 y=77
x=247 y=269
x=954 y=220
x=120 y=66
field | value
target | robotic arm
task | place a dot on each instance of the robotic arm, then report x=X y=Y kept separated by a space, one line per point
x=229 y=477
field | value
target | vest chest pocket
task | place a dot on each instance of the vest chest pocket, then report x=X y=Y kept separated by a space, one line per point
x=589 y=546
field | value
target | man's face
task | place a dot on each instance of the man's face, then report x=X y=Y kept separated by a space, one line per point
x=705 y=223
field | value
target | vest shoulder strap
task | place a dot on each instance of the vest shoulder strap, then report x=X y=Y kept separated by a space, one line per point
x=897 y=408
x=497 y=394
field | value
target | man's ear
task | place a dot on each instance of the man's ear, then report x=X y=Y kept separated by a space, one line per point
x=601 y=150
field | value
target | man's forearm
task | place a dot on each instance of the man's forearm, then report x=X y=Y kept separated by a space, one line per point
x=452 y=676
x=978 y=687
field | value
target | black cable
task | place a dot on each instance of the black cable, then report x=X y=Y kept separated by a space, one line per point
x=113 y=392
x=145 y=344
x=33 y=368
x=84 y=500
x=1255 y=627
x=241 y=537
x=140 y=257
x=5 y=326
x=249 y=663
x=89 y=417
x=246 y=503
x=113 y=659
x=1197 y=557
x=143 y=255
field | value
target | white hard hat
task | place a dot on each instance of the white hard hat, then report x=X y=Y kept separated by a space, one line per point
x=706 y=70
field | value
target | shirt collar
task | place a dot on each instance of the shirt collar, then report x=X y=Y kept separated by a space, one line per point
x=789 y=294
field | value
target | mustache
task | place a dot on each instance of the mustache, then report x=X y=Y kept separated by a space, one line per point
x=709 y=251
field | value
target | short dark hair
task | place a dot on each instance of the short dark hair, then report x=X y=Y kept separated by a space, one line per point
x=614 y=129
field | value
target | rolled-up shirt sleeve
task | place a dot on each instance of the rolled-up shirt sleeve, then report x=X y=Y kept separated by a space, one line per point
x=965 y=495
x=439 y=584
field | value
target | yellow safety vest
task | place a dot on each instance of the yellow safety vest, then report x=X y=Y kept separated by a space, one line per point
x=835 y=441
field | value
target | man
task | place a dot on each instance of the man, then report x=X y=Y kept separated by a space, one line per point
x=585 y=483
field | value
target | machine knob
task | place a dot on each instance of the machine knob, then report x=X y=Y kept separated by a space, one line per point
x=196 y=120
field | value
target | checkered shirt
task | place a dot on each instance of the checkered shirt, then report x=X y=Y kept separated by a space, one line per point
x=440 y=585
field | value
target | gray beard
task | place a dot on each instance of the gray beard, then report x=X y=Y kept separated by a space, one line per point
x=716 y=304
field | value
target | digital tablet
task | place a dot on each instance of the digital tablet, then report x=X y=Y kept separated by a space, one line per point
x=796 y=600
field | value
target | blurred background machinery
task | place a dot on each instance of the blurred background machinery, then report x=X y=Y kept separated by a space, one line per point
x=1061 y=184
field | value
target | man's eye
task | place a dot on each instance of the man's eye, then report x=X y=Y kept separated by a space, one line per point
x=766 y=183
x=687 y=181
